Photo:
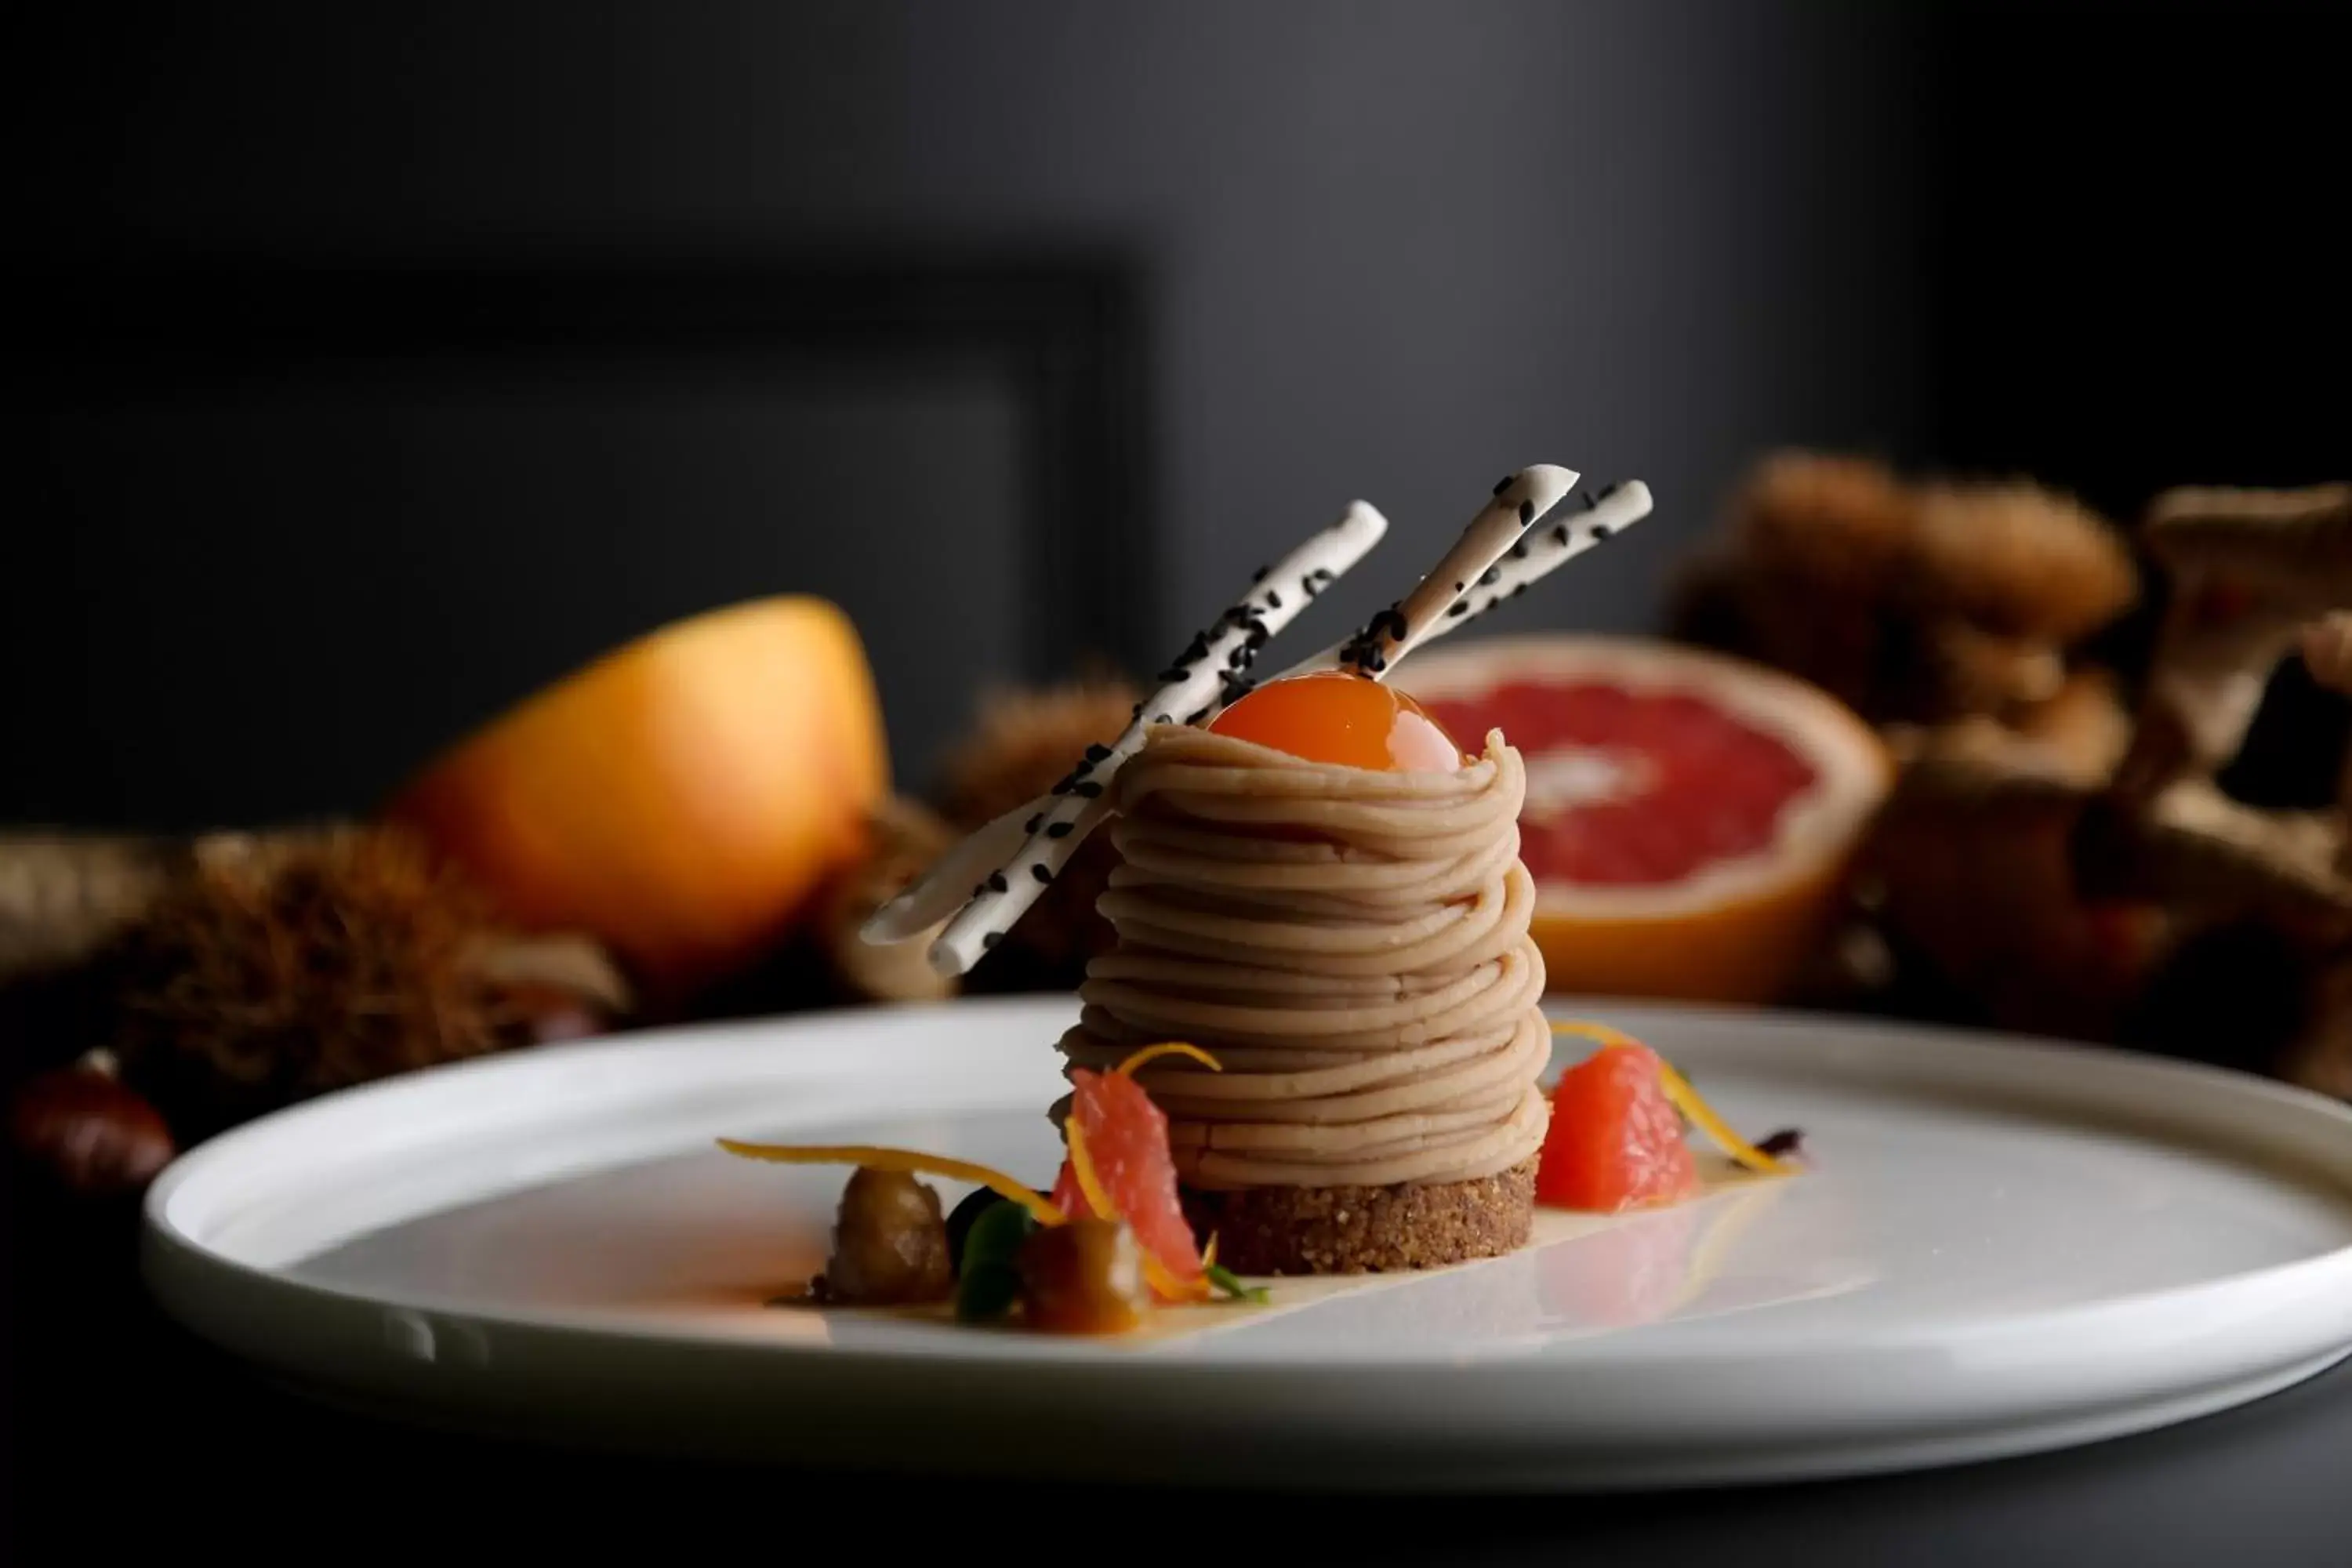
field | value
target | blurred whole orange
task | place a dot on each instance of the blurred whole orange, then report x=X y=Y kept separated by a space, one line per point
x=681 y=798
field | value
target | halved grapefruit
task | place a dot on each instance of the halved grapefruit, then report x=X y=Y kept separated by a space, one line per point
x=1690 y=817
x=683 y=798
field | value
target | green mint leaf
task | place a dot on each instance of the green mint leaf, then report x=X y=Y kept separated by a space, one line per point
x=1225 y=1279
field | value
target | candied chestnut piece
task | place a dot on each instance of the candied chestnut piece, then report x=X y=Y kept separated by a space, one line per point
x=87 y=1133
x=1083 y=1277
x=890 y=1244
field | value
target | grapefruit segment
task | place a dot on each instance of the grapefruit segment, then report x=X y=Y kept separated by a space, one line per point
x=1616 y=1140
x=1126 y=1140
x=1690 y=817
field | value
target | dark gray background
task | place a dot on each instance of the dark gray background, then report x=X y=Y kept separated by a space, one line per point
x=1377 y=249
x=1306 y=251
x=1383 y=250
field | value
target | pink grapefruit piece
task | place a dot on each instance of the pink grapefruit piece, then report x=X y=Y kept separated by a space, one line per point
x=1690 y=817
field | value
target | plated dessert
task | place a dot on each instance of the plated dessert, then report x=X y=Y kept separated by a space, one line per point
x=1350 y=936
x=1315 y=1046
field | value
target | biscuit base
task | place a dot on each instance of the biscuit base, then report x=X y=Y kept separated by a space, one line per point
x=1366 y=1230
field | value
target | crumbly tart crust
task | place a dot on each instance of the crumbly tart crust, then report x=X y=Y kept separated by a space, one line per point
x=1367 y=1230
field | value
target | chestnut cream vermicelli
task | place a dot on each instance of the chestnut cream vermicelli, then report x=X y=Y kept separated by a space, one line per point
x=1351 y=944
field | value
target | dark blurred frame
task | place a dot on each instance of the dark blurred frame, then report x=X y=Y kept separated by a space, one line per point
x=1069 y=332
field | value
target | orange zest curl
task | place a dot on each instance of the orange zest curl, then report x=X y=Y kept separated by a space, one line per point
x=905 y=1160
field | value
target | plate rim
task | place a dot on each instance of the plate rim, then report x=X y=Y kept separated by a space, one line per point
x=1422 y=1418
x=172 y=1257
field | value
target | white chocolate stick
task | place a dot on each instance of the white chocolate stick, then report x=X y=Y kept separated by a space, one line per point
x=1540 y=552
x=1214 y=665
x=943 y=887
x=1518 y=499
x=1527 y=556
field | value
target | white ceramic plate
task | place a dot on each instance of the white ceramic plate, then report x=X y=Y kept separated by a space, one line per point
x=2002 y=1247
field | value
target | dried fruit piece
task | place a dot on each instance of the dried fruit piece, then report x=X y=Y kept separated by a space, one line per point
x=889 y=1243
x=1083 y=1277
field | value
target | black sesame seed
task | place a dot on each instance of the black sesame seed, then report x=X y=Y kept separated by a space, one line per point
x=1259 y=575
x=1459 y=587
x=1170 y=676
x=1504 y=483
x=1273 y=600
x=996 y=882
x=1058 y=830
x=1603 y=530
x=989 y=939
x=1309 y=587
x=1519 y=550
x=1161 y=719
x=1487 y=578
x=1040 y=872
x=1459 y=607
x=1586 y=496
x=1519 y=590
x=1195 y=715
x=1062 y=786
x=979 y=889
x=1527 y=512
x=1033 y=824
x=1608 y=490
x=1560 y=534
x=1097 y=752
x=1089 y=789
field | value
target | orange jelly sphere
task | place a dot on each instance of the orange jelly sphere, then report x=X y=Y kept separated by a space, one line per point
x=1336 y=716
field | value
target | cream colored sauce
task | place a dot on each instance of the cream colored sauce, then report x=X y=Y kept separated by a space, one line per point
x=1351 y=945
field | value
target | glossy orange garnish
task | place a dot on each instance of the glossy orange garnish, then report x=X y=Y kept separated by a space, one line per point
x=1339 y=717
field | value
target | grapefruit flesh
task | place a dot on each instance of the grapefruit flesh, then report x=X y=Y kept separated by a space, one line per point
x=1127 y=1140
x=1616 y=1141
x=1677 y=783
x=1690 y=817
